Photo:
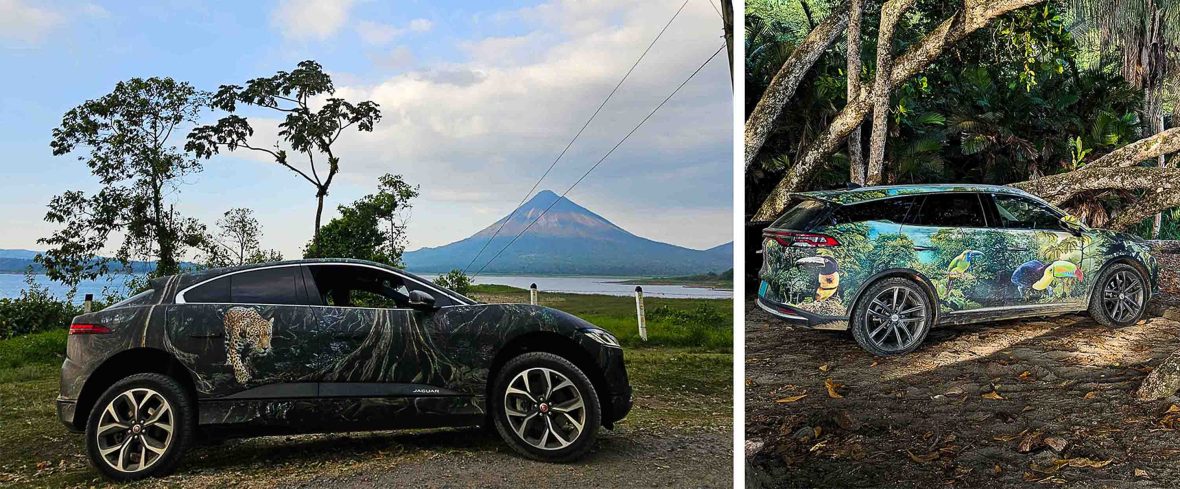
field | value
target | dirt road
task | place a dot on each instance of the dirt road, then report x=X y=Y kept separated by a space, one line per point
x=994 y=405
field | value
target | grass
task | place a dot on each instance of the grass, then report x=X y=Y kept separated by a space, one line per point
x=677 y=389
x=702 y=324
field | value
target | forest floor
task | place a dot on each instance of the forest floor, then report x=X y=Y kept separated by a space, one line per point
x=1003 y=404
x=679 y=434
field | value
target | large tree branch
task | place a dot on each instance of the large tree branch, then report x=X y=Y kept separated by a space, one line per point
x=1103 y=174
x=977 y=14
x=782 y=86
x=1151 y=147
x=890 y=14
x=856 y=164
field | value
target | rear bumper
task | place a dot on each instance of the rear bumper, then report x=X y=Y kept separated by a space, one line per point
x=802 y=319
x=65 y=413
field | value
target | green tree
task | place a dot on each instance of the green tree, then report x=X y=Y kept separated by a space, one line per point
x=455 y=280
x=372 y=228
x=307 y=130
x=125 y=138
x=236 y=241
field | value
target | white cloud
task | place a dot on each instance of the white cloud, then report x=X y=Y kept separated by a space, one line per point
x=311 y=19
x=25 y=23
x=377 y=33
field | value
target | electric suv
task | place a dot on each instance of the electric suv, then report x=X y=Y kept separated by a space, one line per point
x=890 y=262
x=326 y=345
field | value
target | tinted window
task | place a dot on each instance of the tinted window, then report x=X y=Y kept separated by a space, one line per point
x=215 y=291
x=267 y=286
x=353 y=286
x=802 y=216
x=141 y=299
x=1018 y=212
x=897 y=210
x=951 y=210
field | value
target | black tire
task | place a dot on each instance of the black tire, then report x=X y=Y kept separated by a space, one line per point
x=591 y=413
x=1103 y=306
x=893 y=334
x=183 y=423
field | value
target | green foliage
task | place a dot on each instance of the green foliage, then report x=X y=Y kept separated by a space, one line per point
x=455 y=280
x=125 y=138
x=44 y=347
x=37 y=310
x=372 y=228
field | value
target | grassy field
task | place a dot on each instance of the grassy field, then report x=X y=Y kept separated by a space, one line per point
x=678 y=389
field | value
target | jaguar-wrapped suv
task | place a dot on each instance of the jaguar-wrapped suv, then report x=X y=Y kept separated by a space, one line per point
x=326 y=345
x=890 y=262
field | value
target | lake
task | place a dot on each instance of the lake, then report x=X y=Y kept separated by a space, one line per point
x=11 y=285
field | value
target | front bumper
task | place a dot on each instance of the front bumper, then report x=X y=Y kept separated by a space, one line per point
x=802 y=319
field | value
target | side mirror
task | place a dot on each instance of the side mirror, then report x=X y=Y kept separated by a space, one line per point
x=421 y=300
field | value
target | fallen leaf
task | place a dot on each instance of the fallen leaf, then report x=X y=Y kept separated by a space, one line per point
x=874 y=364
x=1057 y=444
x=1087 y=463
x=1030 y=442
x=993 y=395
x=929 y=457
x=832 y=385
x=997 y=470
x=1025 y=375
x=825 y=367
x=788 y=400
x=1090 y=395
x=1140 y=473
x=1009 y=437
x=1173 y=409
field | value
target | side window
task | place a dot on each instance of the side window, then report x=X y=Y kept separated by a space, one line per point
x=266 y=286
x=440 y=299
x=354 y=286
x=1017 y=212
x=215 y=291
x=951 y=210
x=898 y=210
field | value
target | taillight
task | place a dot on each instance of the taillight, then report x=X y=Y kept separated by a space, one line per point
x=807 y=240
x=89 y=329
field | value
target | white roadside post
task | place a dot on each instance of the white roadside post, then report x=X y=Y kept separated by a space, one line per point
x=88 y=303
x=533 y=294
x=639 y=312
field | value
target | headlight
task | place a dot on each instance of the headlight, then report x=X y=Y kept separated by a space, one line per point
x=601 y=336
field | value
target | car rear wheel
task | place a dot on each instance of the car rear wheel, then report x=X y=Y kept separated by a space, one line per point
x=892 y=317
x=139 y=428
x=1120 y=296
x=546 y=408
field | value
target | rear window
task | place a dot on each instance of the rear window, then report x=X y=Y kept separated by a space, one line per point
x=951 y=210
x=898 y=210
x=802 y=216
x=141 y=299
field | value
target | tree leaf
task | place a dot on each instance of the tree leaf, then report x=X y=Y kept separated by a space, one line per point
x=993 y=395
x=831 y=386
x=788 y=400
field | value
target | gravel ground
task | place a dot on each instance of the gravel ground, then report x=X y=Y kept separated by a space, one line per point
x=1005 y=404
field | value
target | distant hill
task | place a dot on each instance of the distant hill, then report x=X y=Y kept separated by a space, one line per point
x=569 y=239
x=17 y=261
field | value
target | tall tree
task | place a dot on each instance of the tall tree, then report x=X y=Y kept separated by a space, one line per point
x=124 y=138
x=310 y=126
x=237 y=241
x=882 y=87
x=856 y=162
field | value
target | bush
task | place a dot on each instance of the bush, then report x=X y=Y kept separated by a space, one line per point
x=38 y=310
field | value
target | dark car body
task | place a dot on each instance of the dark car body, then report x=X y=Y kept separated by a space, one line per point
x=980 y=252
x=318 y=366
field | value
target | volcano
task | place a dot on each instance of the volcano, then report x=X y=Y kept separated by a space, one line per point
x=567 y=240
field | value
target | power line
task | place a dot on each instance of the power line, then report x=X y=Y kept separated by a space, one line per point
x=575 y=138
x=600 y=160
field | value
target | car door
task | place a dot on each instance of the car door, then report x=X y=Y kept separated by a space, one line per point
x=955 y=249
x=250 y=331
x=1051 y=266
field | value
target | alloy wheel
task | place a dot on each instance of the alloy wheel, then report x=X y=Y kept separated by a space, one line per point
x=895 y=318
x=1122 y=296
x=135 y=430
x=544 y=408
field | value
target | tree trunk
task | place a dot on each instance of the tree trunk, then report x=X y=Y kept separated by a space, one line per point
x=727 y=28
x=786 y=81
x=1161 y=382
x=977 y=14
x=319 y=212
x=856 y=162
x=890 y=13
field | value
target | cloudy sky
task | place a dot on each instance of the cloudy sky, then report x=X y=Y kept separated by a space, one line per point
x=477 y=98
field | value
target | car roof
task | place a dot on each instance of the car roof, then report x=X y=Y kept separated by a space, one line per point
x=864 y=194
x=185 y=279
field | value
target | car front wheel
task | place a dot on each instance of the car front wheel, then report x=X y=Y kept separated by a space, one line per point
x=139 y=428
x=546 y=408
x=892 y=317
x=1119 y=297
